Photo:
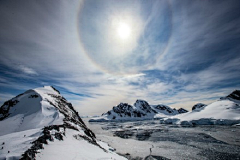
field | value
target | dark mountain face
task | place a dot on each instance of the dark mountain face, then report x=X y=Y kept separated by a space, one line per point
x=4 y=110
x=181 y=110
x=164 y=108
x=198 y=106
x=234 y=95
x=144 y=106
x=124 y=109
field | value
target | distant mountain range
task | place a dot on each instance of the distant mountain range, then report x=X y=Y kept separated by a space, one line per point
x=41 y=117
x=226 y=108
x=139 y=111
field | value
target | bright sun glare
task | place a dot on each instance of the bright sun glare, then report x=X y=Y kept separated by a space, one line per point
x=123 y=30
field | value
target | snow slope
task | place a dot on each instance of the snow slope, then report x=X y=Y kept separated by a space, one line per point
x=141 y=110
x=226 y=111
x=33 y=124
x=74 y=147
x=32 y=110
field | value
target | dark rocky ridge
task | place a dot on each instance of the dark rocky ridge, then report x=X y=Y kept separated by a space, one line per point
x=144 y=106
x=182 y=110
x=234 y=95
x=124 y=109
x=164 y=107
x=198 y=106
x=4 y=109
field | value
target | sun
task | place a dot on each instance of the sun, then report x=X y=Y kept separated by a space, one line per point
x=123 y=30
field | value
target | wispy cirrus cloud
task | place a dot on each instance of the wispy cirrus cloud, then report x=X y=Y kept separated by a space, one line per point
x=44 y=43
x=27 y=70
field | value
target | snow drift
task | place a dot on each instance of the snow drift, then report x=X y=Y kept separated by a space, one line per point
x=41 y=124
x=226 y=111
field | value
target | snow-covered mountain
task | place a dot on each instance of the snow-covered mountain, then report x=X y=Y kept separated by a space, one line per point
x=141 y=110
x=225 y=111
x=41 y=124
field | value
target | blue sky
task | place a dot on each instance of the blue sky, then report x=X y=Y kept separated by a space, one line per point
x=177 y=53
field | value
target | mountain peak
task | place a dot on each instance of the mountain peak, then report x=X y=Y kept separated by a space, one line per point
x=47 y=89
x=182 y=110
x=143 y=106
x=234 y=95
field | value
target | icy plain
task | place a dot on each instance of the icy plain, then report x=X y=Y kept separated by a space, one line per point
x=139 y=139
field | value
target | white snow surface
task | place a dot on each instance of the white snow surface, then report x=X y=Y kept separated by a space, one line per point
x=16 y=143
x=25 y=123
x=32 y=113
x=222 y=112
x=78 y=149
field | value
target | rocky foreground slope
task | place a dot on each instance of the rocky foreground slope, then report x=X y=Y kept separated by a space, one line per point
x=141 y=110
x=41 y=124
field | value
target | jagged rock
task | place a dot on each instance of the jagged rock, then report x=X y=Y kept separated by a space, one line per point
x=234 y=95
x=182 y=110
x=144 y=106
x=161 y=108
x=198 y=106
